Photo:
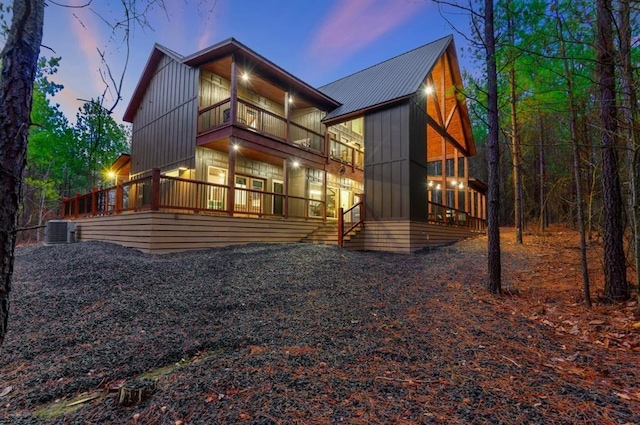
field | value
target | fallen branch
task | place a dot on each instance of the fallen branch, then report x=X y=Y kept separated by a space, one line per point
x=512 y=361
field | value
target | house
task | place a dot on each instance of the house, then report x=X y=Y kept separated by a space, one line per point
x=229 y=148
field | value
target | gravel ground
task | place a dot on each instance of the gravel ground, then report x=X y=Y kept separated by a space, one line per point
x=295 y=333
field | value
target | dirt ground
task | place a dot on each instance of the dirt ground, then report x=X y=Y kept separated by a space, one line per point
x=286 y=334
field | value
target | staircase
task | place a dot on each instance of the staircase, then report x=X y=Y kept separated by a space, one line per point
x=327 y=234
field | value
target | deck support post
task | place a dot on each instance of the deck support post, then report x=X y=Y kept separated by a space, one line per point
x=340 y=226
x=94 y=201
x=231 y=176
x=155 y=189
x=119 y=199
x=285 y=183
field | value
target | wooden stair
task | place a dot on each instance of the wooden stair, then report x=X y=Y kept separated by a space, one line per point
x=327 y=234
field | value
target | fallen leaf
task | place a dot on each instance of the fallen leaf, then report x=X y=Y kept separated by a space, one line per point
x=6 y=391
x=623 y=395
x=636 y=325
x=596 y=322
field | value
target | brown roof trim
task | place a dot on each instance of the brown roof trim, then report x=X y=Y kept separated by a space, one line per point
x=478 y=185
x=462 y=103
x=122 y=161
x=233 y=46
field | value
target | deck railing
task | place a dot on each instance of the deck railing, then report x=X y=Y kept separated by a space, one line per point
x=165 y=193
x=350 y=218
x=346 y=154
x=447 y=216
x=260 y=120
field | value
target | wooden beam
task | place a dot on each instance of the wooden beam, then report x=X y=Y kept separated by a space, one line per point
x=441 y=131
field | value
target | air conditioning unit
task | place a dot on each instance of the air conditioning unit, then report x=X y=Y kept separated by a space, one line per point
x=59 y=231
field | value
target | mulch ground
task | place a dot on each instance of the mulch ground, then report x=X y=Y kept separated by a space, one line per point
x=285 y=334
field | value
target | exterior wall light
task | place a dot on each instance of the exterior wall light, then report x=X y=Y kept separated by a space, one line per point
x=245 y=76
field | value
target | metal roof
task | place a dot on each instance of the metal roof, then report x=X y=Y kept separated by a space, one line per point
x=395 y=78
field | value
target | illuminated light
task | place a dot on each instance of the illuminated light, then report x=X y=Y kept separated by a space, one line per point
x=438 y=187
x=430 y=184
x=454 y=183
x=290 y=99
x=221 y=174
x=236 y=146
x=428 y=89
x=182 y=168
x=295 y=164
x=245 y=76
x=461 y=186
x=112 y=175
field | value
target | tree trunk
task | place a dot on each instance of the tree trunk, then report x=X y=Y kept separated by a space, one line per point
x=515 y=141
x=576 y=166
x=19 y=63
x=541 y=159
x=616 y=287
x=630 y=114
x=494 y=283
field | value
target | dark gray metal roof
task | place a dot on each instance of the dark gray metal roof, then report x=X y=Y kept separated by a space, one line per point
x=392 y=79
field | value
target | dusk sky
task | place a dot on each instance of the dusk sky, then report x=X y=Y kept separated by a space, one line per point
x=318 y=41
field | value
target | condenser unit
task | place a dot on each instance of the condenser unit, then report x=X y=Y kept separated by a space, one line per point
x=59 y=231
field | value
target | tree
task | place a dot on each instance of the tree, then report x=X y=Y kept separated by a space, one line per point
x=616 y=287
x=19 y=64
x=494 y=283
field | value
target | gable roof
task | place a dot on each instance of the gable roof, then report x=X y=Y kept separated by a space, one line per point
x=393 y=79
x=218 y=50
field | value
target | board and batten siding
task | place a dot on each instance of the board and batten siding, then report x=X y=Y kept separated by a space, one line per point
x=165 y=124
x=386 y=170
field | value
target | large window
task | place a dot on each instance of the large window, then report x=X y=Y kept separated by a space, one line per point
x=450 y=168
x=434 y=168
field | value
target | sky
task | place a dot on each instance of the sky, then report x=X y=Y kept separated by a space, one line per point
x=318 y=41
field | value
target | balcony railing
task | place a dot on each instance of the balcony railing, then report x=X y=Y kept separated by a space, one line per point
x=447 y=216
x=261 y=121
x=346 y=154
x=164 y=193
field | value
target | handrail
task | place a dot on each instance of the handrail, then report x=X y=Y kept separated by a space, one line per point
x=450 y=216
x=341 y=215
x=215 y=105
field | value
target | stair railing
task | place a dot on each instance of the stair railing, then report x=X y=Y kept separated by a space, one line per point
x=342 y=213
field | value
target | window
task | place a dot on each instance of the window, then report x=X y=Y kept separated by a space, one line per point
x=356 y=125
x=450 y=168
x=461 y=200
x=436 y=196
x=460 y=167
x=434 y=168
x=451 y=200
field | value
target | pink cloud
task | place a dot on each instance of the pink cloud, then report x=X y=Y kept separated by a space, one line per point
x=83 y=27
x=354 y=24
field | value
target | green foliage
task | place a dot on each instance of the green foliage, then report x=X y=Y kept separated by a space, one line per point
x=62 y=159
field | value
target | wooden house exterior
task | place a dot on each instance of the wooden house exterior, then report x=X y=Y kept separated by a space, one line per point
x=229 y=148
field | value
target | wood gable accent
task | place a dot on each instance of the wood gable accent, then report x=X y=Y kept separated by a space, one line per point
x=447 y=114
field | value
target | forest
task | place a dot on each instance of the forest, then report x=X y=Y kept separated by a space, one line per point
x=566 y=95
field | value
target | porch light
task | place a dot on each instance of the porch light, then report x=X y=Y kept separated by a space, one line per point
x=430 y=184
x=454 y=183
x=438 y=187
x=245 y=76
x=290 y=99
x=111 y=174
x=295 y=164
x=461 y=185
x=428 y=89
x=236 y=146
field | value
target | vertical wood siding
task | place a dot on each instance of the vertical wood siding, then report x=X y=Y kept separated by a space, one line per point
x=164 y=127
x=387 y=169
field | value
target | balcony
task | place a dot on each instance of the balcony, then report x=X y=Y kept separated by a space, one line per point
x=346 y=154
x=254 y=118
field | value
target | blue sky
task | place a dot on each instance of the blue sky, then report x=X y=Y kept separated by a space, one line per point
x=319 y=41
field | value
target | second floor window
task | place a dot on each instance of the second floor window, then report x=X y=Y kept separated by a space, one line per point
x=434 y=168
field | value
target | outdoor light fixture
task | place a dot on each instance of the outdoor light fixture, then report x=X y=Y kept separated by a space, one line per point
x=454 y=183
x=438 y=187
x=112 y=175
x=236 y=146
x=461 y=186
x=295 y=164
x=430 y=184
x=290 y=99
x=428 y=89
x=245 y=76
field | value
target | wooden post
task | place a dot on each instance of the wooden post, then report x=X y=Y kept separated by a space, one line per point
x=285 y=184
x=340 y=226
x=119 y=199
x=76 y=206
x=94 y=201
x=233 y=102
x=324 y=196
x=155 y=189
x=231 y=177
x=65 y=202
x=287 y=110
x=362 y=208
